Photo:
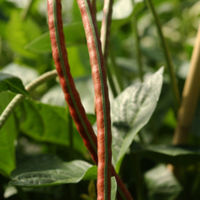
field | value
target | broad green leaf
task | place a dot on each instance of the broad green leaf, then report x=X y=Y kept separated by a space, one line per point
x=11 y=83
x=74 y=35
x=113 y=188
x=47 y=170
x=85 y=88
x=47 y=123
x=7 y=138
x=161 y=184
x=19 y=33
x=26 y=74
x=131 y=110
x=168 y=154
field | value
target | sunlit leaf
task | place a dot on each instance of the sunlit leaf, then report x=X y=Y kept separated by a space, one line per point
x=131 y=110
x=48 y=170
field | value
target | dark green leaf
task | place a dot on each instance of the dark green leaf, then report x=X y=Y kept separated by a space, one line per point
x=26 y=74
x=46 y=170
x=132 y=110
x=161 y=184
x=48 y=124
x=12 y=83
x=7 y=138
x=168 y=154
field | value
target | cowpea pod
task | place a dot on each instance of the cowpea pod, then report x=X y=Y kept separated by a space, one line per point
x=62 y=66
x=102 y=103
x=71 y=95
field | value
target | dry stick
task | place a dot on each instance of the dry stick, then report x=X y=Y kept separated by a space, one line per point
x=189 y=97
x=71 y=95
x=102 y=103
x=166 y=54
x=19 y=97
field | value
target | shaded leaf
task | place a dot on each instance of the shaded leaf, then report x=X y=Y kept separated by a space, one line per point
x=161 y=184
x=12 y=83
x=131 y=110
x=168 y=154
x=47 y=123
x=46 y=170
x=26 y=74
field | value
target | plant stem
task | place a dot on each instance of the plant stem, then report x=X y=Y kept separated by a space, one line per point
x=166 y=54
x=111 y=82
x=105 y=27
x=137 y=47
x=105 y=35
x=19 y=97
x=116 y=71
x=94 y=8
x=190 y=97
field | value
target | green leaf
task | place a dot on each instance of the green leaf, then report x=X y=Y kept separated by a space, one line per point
x=161 y=184
x=113 y=188
x=7 y=138
x=85 y=88
x=168 y=154
x=47 y=123
x=131 y=110
x=19 y=33
x=11 y=83
x=46 y=170
x=26 y=74
x=74 y=35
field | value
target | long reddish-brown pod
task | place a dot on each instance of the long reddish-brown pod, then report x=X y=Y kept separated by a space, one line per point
x=71 y=95
x=61 y=61
x=101 y=101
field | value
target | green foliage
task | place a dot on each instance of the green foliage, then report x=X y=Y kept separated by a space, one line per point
x=161 y=184
x=47 y=170
x=39 y=144
x=7 y=138
x=168 y=154
x=46 y=123
x=131 y=110
x=12 y=83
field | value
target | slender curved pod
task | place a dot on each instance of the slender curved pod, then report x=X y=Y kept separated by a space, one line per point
x=62 y=66
x=71 y=95
x=101 y=101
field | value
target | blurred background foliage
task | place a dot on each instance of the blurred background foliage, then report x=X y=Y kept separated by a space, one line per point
x=25 y=51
